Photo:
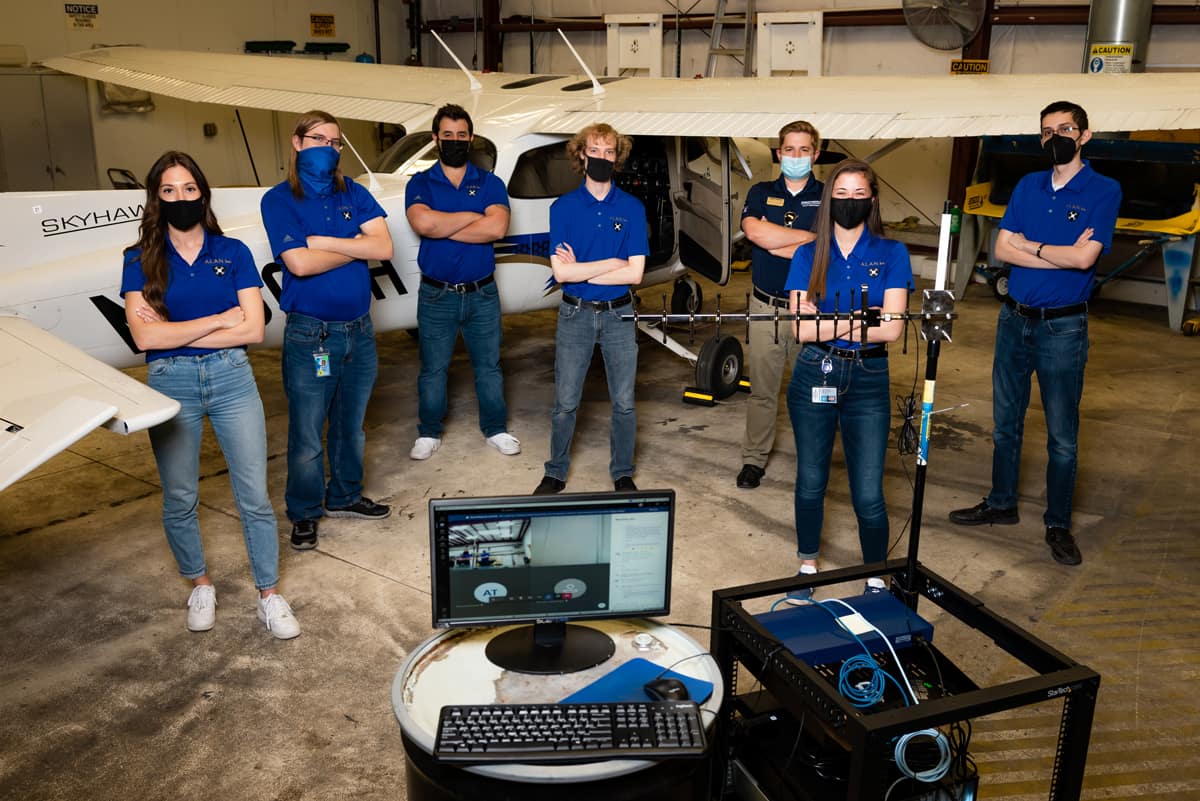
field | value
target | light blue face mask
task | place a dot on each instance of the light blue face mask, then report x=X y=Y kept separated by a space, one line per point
x=316 y=166
x=795 y=168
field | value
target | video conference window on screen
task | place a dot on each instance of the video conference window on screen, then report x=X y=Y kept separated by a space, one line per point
x=509 y=560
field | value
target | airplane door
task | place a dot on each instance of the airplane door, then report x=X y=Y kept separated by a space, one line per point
x=702 y=199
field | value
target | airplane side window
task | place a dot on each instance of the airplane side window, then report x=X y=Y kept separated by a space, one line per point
x=543 y=172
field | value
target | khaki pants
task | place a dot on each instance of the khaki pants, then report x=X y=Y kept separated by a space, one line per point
x=766 y=364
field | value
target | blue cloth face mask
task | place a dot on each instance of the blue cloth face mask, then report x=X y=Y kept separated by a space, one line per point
x=795 y=168
x=316 y=166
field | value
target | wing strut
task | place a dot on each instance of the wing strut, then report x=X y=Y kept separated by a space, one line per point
x=475 y=84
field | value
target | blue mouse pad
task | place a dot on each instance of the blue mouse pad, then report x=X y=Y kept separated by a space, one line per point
x=624 y=683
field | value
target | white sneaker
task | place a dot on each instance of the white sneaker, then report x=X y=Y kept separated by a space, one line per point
x=277 y=616
x=202 y=608
x=424 y=447
x=505 y=443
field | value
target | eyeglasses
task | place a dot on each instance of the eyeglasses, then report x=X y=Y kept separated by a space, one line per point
x=336 y=144
x=1062 y=130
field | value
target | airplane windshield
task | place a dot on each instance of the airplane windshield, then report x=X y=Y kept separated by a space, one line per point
x=415 y=153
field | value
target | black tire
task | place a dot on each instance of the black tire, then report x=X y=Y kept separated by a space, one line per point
x=999 y=284
x=687 y=298
x=719 y=367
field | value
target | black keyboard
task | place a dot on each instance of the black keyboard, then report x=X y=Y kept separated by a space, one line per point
x=569 y=732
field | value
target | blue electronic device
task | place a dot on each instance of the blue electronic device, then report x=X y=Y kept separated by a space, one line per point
x=815 y=636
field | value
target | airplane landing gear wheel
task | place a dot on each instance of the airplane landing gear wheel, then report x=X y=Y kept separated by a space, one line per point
x=719 y=367
x=687 y=298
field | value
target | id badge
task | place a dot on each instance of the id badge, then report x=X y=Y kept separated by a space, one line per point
x=321 y=363
x=824 y=394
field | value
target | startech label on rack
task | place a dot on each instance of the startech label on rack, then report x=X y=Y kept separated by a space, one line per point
x=970 y=66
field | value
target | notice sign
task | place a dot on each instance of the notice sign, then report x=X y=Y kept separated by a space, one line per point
x=1112 y=57
x=970 y=66
x=82 y=16
x=321 y=25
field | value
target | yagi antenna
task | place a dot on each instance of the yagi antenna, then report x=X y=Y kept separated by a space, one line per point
x=372 y=182
x=597 y=89
x=475 y=85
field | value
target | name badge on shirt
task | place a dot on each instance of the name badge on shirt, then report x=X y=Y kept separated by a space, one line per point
x=774 y=201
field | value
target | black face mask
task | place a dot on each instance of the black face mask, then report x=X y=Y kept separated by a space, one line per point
x=453 y=152
x=850 y=212
x=183 y=215
x=1061 y=149
x=600 y=170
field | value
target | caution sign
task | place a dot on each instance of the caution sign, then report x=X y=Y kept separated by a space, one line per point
x=970 y=66
x=1110 y=57
x=82 y=16
x=321 y=25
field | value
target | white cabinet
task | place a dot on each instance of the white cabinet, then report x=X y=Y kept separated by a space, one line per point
x=45 y=132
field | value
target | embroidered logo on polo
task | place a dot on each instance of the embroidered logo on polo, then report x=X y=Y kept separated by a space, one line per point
x=789 y=217
x=808 y=204
x=1072 y=215
x=873 y=272
x=347 y=216
x=617 y=225
x=219 y=266
x=874 y=268
x=472 y=191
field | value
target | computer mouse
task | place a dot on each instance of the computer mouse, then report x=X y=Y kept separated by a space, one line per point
x=666 y=689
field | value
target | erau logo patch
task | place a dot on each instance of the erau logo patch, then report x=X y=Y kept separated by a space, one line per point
x=346 y=215
x=1072 y=215
x=218 y=269
x=873 y=272
x=616 y=225
x=472 y=191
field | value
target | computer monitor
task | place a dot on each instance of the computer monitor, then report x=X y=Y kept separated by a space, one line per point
x=546 y=560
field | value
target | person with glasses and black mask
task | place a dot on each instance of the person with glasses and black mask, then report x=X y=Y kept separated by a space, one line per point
x=323 y=227
x=1057 y=224
x=458 y=210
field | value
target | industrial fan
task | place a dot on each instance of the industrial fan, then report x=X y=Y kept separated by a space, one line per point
x=944 y=24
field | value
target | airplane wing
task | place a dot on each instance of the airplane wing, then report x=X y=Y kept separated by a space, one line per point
x=53 y=394
x=842 y=107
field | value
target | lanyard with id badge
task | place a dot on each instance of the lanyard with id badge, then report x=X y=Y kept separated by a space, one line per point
x=825 y=393
x=321 y=357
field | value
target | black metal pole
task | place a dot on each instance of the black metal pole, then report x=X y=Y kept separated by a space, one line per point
x=918 y=504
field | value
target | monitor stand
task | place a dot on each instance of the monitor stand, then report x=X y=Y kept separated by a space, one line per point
x=546 y=648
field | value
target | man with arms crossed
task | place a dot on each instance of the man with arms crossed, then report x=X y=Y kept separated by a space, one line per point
x=458 y=210
x=598 y=233
x=776 y=219
x=1057 y=224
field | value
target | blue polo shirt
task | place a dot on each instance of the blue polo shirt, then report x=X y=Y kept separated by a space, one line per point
x=881 y=264
x=343 y=293
x=445 y=259
x=774 y=201
x=209 y=285
x=1040 y=214
x=614 y=227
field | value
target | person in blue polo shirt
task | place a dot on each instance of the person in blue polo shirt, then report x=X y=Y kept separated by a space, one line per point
x=323 y=227
x=777 y=218
x=193 y=301
x=599 y=238
x=458 y=210
x=1057 y=224
x=838 y=382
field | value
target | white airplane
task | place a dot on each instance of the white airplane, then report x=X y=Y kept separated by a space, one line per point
x=62 y=324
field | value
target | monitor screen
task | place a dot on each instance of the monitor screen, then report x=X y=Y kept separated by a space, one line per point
x=550 y=559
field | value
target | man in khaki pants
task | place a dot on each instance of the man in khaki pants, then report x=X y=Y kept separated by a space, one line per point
x=777 y=218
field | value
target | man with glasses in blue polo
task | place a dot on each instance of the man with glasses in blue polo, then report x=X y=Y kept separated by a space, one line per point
x=1057 y=224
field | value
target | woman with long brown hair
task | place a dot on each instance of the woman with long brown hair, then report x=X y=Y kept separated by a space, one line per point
x=193 y=301
x=839 y=382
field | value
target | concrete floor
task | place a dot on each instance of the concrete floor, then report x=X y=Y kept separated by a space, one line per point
x=104 y=694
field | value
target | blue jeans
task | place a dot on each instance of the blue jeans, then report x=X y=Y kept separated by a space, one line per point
x=863 y=414
x=580 y=329
x=339 y=399
x=1057 y=351
x=441 y=314
x=221 y=386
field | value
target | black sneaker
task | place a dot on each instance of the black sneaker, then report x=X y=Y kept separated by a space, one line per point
x=624 y=484
x=364 y=508
x=981 y=513
x=1062 y=546
x=304 y=535
x=750 y=476
x=549 y=486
